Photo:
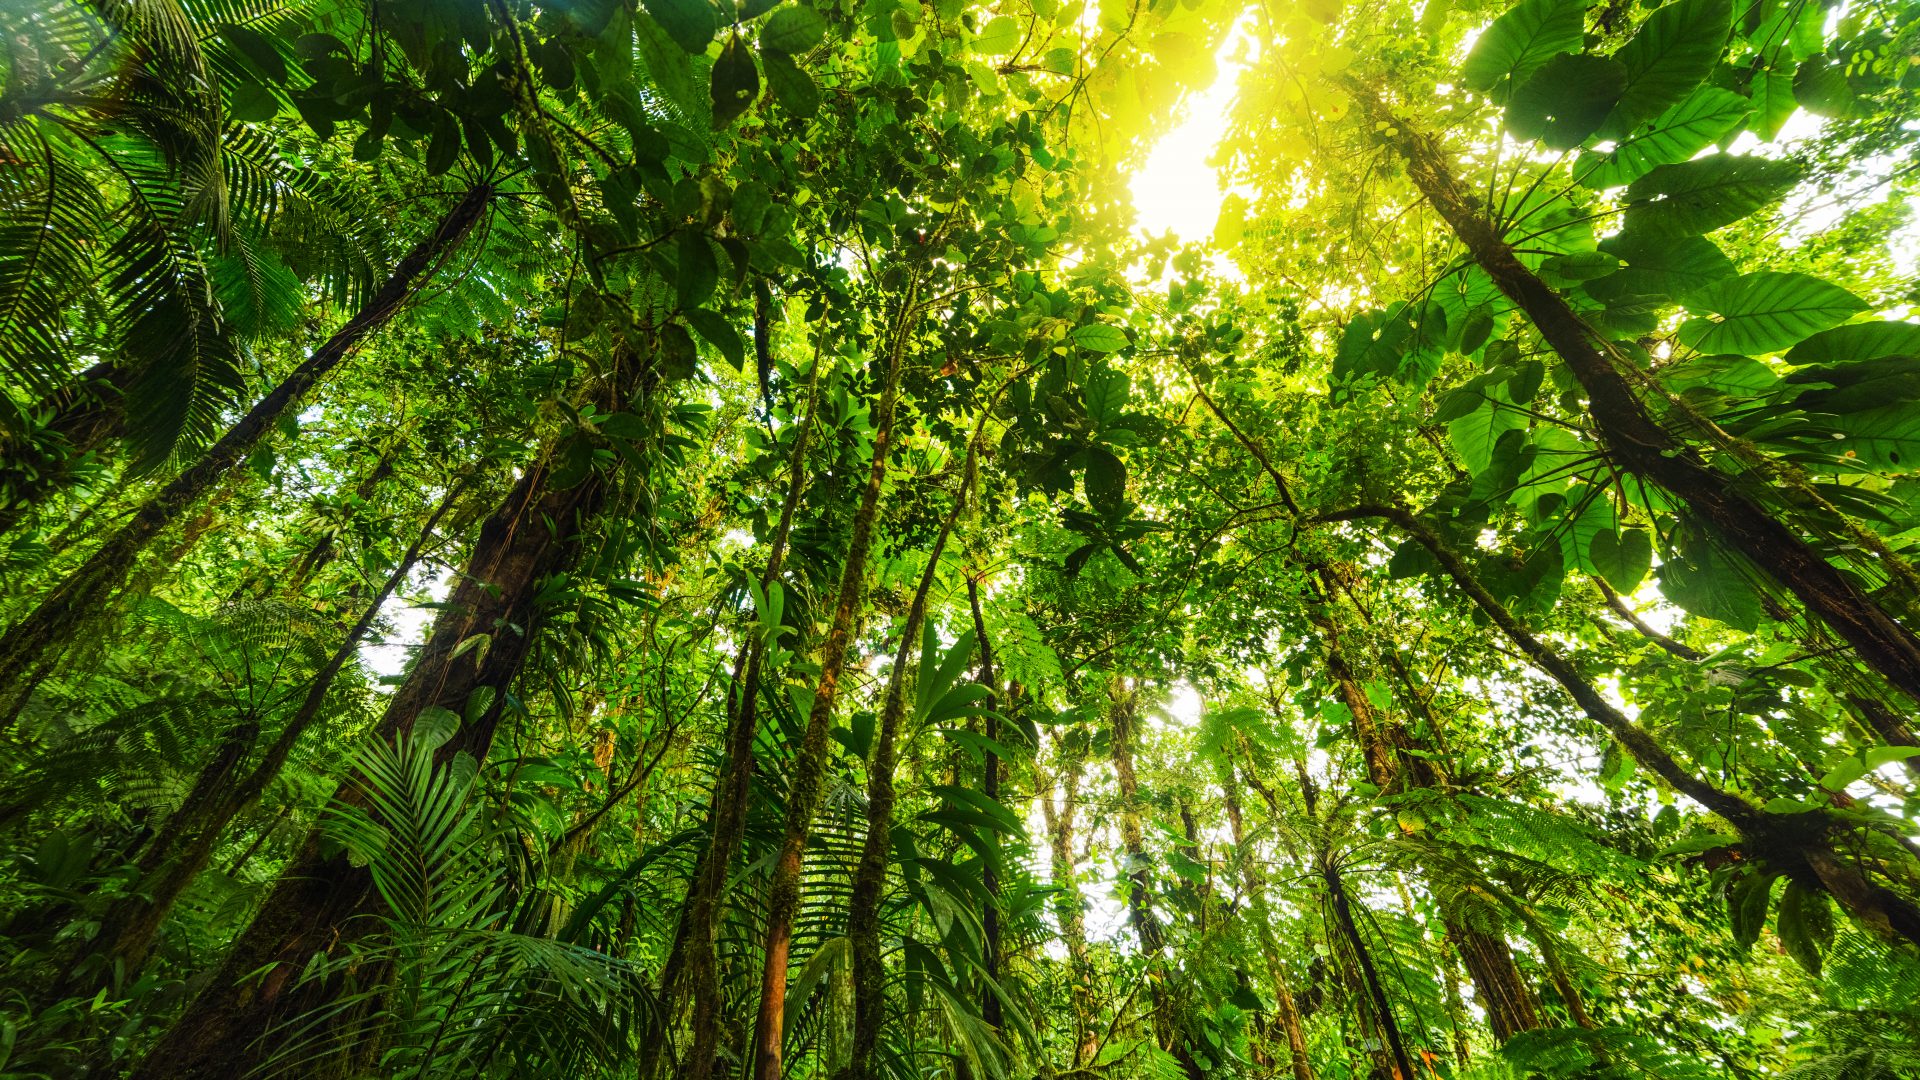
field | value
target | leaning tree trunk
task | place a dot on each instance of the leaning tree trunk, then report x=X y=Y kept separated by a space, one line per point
x=870 y=874
x=809 y=766
x=1799 y=843
x=184 y=845
x=322 y=901
x=91 y=586
x=1637 y=441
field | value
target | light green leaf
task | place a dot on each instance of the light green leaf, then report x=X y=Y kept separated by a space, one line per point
x=792 y=30
x=999 y=37
x=1475 y=434
x=1518 y=42
x=1765 y=311
x=1856 y=342
x=1621 y=557
x=1101 y=338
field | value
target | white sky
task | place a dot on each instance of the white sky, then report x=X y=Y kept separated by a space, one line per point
x=1176 y=188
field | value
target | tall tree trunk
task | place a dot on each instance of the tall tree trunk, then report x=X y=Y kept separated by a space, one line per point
x=1639 y=443
x=870 y=875
x=1146 y=926
x=1380 y=1007
x=1069 y=907
x=1799 y=844
x=90 y=587
x=184 y=845
x=1285 y=1009
x=693 y=947
x=809 y=767
x=322 y=901
x=990 y=1010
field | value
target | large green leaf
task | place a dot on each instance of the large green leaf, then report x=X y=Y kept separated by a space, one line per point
x=690 y=23
x=1697 y=122
x=792 y=30
x=1765 y=311
x=1621 y=557
x=1475 y=434
x=1673 y=51
x=1705 y=580
x=1858 y=341
x=1521 y=40
x=1566 y=100
x=1670 y=266
x=1699 y=196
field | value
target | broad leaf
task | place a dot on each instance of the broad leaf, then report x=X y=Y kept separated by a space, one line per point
x=1521 y=40
x=1684 y=130
x=1566 y=100
x=1673 y=51
x=1765 y=311
x=1699 y=196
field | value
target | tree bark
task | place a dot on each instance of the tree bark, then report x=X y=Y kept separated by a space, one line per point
x=693 y=948
x=1798 y=843
x=90 y=587
x=1638 y=442
x=469 y=664
x=809 y=767
x=185 y=844
x=1285 y=1009
x=1069 y=907
x=870 y=875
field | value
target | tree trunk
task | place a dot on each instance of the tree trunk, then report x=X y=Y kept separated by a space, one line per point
x=1382 y=1010
x=990 y=1010
x=1638 y=442
x=809 y=767
x=1146 y=926
x=469 y=664
x=870 y=875
x=693 y=947
x=1798 y=843
x=92 y=586
x=185 y=844
x=1069 y=908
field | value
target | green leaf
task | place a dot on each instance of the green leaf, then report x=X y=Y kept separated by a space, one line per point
x=792 y=30
x=1694 y=197
x=1566 y=100
x=1106 y=478
x=1670 y=267
x=698 y=271
x=1518 y=42
x=690 y=23
x=1805 y=925
x=1773 y=101
x=1100 y=338
x=1671 y=53
x=1622 y=557
x=1106 y=394
x=1820 y=86
x=1702 y=119
x=1475 y=434
x=252 y=103
x=736 y=81
x=999 y=37
x=792 y=88
x=720 y=333
x=1704 y=580
x=258 y=49
x=1747 y=902
x=1855 y=342
x=1765 y=311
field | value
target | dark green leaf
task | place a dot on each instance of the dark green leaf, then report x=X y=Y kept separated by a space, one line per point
x=1521 y=40
x=1699 y=196
x=698 y=271
x=1671 y=53
x=690 y=23
x=792 y=30
x=1765 y=311
x=1566 y=100
x=736 y=81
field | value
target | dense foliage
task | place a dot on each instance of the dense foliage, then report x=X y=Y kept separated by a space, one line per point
x=682 y=538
